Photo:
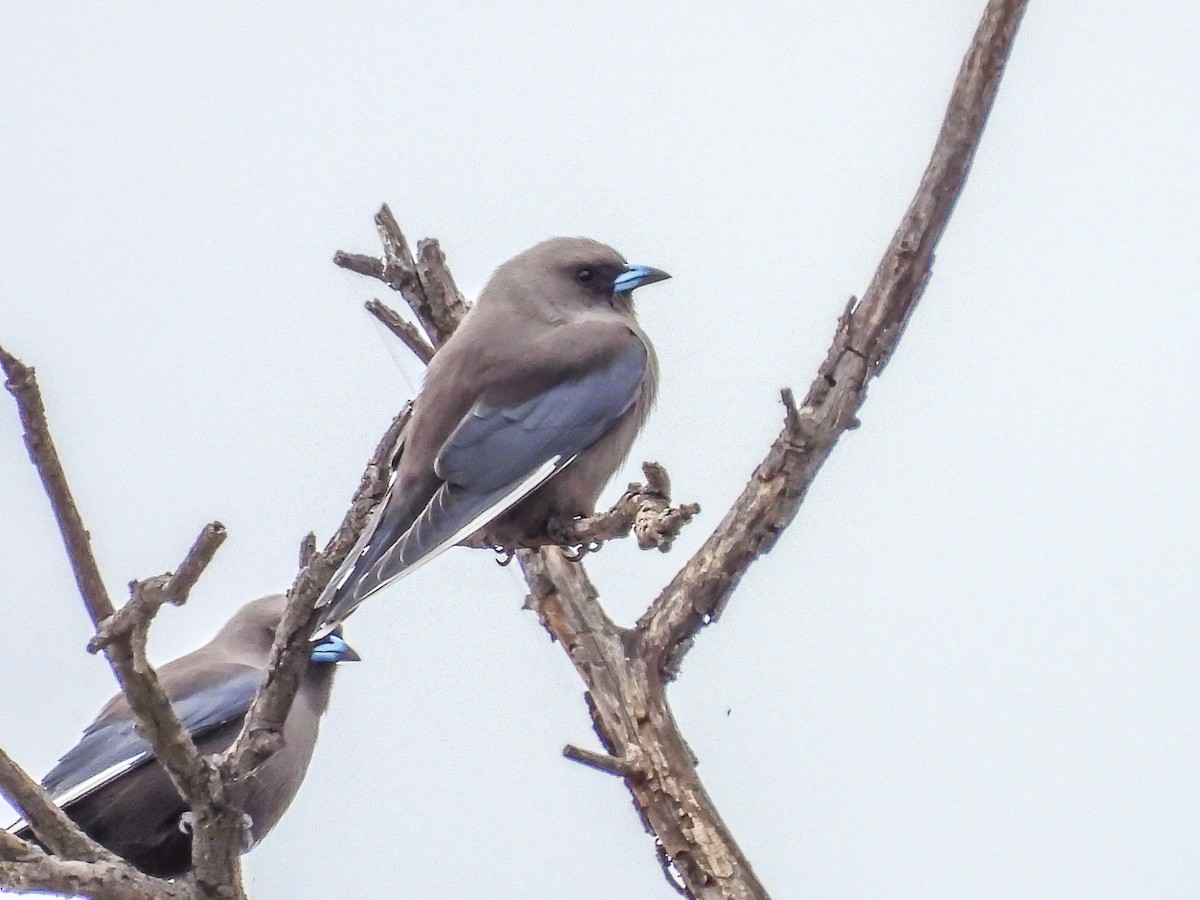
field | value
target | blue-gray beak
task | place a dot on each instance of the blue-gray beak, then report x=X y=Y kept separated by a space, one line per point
x=635 y=276
x=332 y=649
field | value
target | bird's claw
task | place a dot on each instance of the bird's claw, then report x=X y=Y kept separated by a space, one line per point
x=504 y=553
x=247 y=833
x=187 y=824
x=583 y=550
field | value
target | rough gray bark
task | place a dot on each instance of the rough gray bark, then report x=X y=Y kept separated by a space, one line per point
x=625 y=671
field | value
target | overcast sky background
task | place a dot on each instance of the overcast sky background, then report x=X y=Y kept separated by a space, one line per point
x=968 y=669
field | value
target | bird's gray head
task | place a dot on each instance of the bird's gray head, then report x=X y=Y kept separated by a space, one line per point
x=251 y=633
x=573 y=272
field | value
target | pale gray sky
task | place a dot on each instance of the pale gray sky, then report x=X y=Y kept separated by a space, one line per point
x=969 y=668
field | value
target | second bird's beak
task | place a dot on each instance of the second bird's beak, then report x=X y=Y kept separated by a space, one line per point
x=635 y=276
x=332 y=649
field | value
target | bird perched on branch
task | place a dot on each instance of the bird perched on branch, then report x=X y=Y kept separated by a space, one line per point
x=523 y=416
x=111 y=785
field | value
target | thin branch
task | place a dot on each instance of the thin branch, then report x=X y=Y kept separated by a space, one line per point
x=153 y=714
x=644 y=510
x=52 y=826
x=271 y=705
x=216 y=840
x=408 y=333
x=22 y=384
x=866 y=336
x=139 y=612
x=602 y=762
x=35 y=871
x=443 y=304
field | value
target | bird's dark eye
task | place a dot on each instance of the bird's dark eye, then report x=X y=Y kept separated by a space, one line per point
x=584 y=275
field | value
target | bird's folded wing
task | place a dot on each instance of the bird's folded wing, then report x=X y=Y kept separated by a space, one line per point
x=110 y=747
x=499 y=454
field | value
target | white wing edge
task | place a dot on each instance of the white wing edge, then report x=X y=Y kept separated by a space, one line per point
x=363 y=539
x=351 y=558
x=97 y=781
x=531 y=483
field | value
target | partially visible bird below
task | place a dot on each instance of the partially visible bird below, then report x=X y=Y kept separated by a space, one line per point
x=523 y=417
x=111 y=785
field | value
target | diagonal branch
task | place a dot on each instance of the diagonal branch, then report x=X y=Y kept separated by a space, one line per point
x=49 y=823
x=426 y=287
x=290 y=653
x=216 y=841
x=867 y=334
x=409 y=334
x=121 y=634
x=126 y=651
x=22 y=384
x=149 y=595
x=34 y=871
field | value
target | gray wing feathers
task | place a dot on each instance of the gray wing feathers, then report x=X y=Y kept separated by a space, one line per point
x=497 y=445
x=495 y=457
x=107 y=743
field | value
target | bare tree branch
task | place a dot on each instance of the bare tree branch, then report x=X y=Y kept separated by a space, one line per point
x=216 y=840
x=866 y=336
x=644 y=510
x=626 y=672
x=270 y=707
x=409 y=334
x=602 y=762
x=156 y=720
x=22 y=384
x=139 y=612
x=36 y=871
x=49 y=823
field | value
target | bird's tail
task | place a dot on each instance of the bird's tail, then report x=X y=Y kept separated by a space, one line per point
x=405 y=539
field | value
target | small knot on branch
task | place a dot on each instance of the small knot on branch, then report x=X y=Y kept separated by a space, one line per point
x=644 y=510
x=264 y=743
x=603 y=762
x=308 y=549
x=799 y=423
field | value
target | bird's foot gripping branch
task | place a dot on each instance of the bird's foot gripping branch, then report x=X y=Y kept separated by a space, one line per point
x=643 y=511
